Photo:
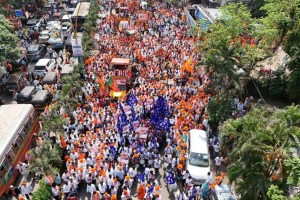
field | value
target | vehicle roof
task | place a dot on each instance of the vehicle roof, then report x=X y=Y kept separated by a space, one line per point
x=27 y=90
x=40 y=95
x=42 y=62
x=11 y=119
x=45 y=31
x=49 y=75
x=198 y=138
x=120 y=61
x=66 y=17
x=82 y=8
x=33 y=47
x=223 y=192
x=32 y=21
x=13 y=77
x=56 y=14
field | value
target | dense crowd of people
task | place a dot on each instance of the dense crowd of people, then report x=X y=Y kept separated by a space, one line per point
x=112 y=145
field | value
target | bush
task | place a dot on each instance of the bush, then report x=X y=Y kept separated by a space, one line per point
x=43 y=193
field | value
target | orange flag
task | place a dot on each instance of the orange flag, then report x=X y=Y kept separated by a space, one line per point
x=63 y=142
x=114 y=86
x=101 y=82
x=189 y=66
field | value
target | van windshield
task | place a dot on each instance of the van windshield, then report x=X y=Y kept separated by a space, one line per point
x=40 y=68
x=199 y=159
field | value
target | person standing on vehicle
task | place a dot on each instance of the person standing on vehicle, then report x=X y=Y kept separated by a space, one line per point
x=50 y=51
x=60 y=54
x=55 y=56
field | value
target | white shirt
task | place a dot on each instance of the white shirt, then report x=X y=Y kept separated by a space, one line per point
x=66 y=188
x=102 y=188
x=26 y=189
x=90 y=188
x=218 y=161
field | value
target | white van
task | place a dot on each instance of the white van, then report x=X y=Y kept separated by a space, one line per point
x=198 y=163
x=43 y=66
x=222 y=192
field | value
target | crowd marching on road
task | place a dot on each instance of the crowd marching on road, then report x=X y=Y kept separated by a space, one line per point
x=111 y=145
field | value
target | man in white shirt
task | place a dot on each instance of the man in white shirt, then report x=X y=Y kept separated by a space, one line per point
x=216 y=149
x=90 y=188
x=102 y=188
x=66 y=190
x=26 y=189
x=218 y=163
x=22 y=167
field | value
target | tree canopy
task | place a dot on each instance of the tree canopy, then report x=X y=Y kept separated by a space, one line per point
x=8 y=40
x=259 y=147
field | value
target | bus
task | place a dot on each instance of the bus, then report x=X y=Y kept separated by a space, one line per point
x=81 y=11
x=18 y=123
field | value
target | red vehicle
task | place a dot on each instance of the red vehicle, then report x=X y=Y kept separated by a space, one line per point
x=121 y=72
x=18 y=123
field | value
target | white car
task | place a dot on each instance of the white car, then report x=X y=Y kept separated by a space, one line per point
x=43 y=66
x=66 y=29
x=44 y=37
x=53 y=25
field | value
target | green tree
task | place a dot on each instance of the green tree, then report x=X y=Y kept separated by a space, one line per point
x=274 y=193
x=282 y=28
x=46 y=159
x=228 y=62
x=43 y=192
x=8 y=40
x=258 y=146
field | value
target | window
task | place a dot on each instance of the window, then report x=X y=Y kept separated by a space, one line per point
x=199 y=159
x=12 y=154
x=17 y=145
x=23 y=134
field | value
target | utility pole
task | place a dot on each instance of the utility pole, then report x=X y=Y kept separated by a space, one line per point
x=76 y=21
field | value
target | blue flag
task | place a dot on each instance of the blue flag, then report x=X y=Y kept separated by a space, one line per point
x=170 y=179
x=141 y=176
x=131 y=100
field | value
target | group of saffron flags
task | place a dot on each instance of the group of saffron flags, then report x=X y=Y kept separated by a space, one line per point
x=104 y=86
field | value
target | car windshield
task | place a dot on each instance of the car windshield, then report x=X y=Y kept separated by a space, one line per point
x=40 y=68
x=199 y=159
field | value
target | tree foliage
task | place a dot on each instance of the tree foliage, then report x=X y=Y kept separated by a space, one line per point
x=8 y=40
x=282 y=27
x=46 y=159
x=261 y=146
x=43 y=192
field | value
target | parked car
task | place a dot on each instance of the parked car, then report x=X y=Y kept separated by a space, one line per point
x=40 y=100
x=26 y=94
x=48 y=7
x=53 y=25
x=66 y=29
x=50 y=78
x=19 y=64
x=70 y=11
x=33 y=24
x=16 y=81
x=66 y=18
x=57 y=16
x=36 y=51
x=43 y=66
x=44 y=37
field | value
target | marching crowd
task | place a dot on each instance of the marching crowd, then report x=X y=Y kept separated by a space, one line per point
x=167 y=100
